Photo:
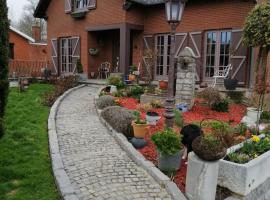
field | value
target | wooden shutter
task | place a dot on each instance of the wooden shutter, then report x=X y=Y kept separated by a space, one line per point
x=195 y=43
x=76 y=52
x=68 y=6
x=180 y=42
x=239 y=58
x=92 y=4
x=54 y=43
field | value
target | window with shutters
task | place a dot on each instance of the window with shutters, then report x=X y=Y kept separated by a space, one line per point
x=66 y=55
x=163 y=46
x=80 y=5
x=217 y=51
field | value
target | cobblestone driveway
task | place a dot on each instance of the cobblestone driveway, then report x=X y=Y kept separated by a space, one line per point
x=97 y=167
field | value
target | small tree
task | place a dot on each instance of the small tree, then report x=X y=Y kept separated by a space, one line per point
x=4 y=27
x=257 y=34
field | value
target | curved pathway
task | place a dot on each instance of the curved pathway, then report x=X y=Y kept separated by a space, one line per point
x=94 y=162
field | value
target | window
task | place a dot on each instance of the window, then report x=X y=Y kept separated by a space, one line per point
x=80 y=4
x=163 y=47
x=66 y=55
x=11 y=51
x=217 y=51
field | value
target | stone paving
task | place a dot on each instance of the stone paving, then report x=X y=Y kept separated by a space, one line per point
x=94 y=162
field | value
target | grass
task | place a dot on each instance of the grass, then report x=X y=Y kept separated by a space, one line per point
x=25 y=168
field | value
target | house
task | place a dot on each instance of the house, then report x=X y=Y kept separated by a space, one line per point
x=122 y=30
x=24 y=47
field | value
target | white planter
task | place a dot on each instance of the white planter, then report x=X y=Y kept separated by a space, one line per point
x=152 y=120
x=243 y=178
x=113 y=89
x=252 y=113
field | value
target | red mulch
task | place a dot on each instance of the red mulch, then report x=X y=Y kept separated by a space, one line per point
x=196 y=114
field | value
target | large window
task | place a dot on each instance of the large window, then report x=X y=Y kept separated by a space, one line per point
x=80 y=4
x=217 y=51
x=66 y=55
x=163 y=47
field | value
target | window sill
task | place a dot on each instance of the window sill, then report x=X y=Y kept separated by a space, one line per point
x=79 y=14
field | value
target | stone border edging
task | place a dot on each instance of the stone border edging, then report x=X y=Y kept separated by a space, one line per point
x=61 y=178
x=140 y=160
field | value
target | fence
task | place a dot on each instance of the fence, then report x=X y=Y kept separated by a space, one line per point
x=27 y=68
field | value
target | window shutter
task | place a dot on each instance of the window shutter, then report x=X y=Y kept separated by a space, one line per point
x=68 y=6
x=92 y=4
x=195 y=43
x=148 y=44
x=76 y=52
x=180 y=42
x=54 y=43
x=239 y=58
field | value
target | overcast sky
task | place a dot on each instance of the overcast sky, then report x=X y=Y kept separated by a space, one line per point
x=15 y=9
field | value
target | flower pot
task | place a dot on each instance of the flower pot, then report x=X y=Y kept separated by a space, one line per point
x=204 y=152
x=230 y=84
x=152 y=118
x=131 y=77
x=140 y=130
x=163 y=85
x=252 y=113
x=169 y=163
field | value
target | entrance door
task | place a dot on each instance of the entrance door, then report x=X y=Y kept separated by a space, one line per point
x=66 y=66
x=116 y=51
x=217 y=52
x=163 y=46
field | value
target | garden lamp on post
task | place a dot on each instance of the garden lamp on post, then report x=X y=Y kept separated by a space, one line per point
x=174 y=11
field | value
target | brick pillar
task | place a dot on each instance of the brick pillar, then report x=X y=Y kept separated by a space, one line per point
x=36 y=33
x=124 y=48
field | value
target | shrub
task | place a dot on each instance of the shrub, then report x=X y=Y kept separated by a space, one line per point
x=236 y=96
x=136 y=90
x=117 y=81
x=223 y=132
x=119 y=93
x=167 y=142
x=105 y=101
x=178 y=118
x=222 y=106
x=210 y=95
x=49 y=98
x=79 y=66
x=119 y=118
x=144 y=107
x=265 y=117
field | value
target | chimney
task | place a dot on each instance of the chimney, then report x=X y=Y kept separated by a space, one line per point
x=36 y=34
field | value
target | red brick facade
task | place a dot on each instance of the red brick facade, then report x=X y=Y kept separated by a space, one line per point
x=198 y=16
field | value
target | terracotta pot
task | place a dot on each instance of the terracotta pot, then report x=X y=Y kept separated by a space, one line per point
x=131 y=77
x=140 y=130
x=163 y=85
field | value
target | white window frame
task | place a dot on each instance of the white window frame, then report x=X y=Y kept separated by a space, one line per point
x=66 y=64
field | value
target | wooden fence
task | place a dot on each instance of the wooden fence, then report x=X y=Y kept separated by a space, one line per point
x=28 y=68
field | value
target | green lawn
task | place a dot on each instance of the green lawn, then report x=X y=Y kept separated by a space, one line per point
x=25 y=169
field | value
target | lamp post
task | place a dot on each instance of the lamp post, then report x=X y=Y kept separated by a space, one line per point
x=174 y=11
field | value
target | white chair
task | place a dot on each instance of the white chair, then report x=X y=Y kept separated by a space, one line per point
x=224 y=73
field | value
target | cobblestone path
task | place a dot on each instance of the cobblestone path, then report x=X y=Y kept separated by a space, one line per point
x=95 y=164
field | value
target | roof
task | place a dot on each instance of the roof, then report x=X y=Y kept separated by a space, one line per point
x=30 y=39
x=42 y=6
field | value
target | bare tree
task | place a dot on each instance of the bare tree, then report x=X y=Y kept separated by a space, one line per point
x=27 y=20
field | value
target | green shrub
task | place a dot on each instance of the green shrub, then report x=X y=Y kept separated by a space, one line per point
x=178 y=118
x=222 y=106
x=167 y=142
x=79 y=66
x=236 y=96
x=119 y=93
x=136 y=90
x=265 y=117
x=105 y=101
x=119 y=118
x=116 y=80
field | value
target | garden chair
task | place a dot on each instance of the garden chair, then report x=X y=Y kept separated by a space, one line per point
x=104 y=70
x=221 y=73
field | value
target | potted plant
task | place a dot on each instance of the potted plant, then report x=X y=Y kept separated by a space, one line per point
x=140 y=127
x=82 y=76
x=163 y=84
x=169 y=150
x=209 y=148
x=132 y=75
x=152 y=118
x=93 y=51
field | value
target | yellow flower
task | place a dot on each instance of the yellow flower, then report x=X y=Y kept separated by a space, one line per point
x=255 y=138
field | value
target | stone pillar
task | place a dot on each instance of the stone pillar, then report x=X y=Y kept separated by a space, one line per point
x=202 y=176
x=185 y=80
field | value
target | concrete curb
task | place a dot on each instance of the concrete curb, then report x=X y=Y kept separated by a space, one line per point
x=139 y=159
x=61 y=178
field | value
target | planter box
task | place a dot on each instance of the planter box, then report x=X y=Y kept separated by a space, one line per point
x=242 y=179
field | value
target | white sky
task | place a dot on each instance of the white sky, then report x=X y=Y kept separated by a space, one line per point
x=15 y=9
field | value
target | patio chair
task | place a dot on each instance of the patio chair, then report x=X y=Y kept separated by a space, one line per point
x=104 y=70
x=221 y=73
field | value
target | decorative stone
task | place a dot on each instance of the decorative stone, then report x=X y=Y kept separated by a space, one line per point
x=201 y=182
x=138 y=143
